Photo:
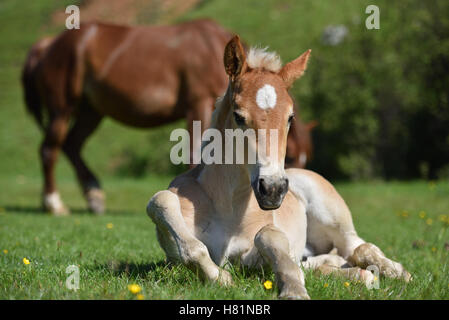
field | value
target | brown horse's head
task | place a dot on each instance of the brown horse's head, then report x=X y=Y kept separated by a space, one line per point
x=259 y=99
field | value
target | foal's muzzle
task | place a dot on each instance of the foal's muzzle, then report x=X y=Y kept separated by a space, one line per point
x=270 y=191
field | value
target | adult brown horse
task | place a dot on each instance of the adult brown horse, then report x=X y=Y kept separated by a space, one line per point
x=141 y=76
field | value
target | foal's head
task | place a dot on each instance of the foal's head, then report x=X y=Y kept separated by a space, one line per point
x=259 y=99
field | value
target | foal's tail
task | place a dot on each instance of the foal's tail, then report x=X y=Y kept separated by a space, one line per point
x=31 y=93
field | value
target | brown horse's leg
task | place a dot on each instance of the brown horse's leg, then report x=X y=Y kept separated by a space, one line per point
x=49 y=150
x=86 y=122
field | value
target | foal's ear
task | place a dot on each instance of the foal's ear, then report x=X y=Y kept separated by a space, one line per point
x=295 y=69
x=234 y=58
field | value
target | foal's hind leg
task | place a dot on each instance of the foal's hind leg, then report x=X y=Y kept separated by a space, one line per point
x=368 y=254
x=341 y=234
x=329 y=224
x=273 y=246
x=86 y=122
x=177 y=240
x=361 y=254
x=335 y=226
x=55 y=134
x=334 y=264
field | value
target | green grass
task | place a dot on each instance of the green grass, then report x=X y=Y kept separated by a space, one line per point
x=110 y=259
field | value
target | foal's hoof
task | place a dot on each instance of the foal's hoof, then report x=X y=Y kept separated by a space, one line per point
x=293 y=292
x=367 y=277
x=225 y=278
x=95 y=200
x=406 y=276
x=52 y=203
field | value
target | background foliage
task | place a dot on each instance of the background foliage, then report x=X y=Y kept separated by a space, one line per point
x=380 y=96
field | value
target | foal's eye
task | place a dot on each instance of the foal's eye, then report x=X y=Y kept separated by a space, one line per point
x=240 y=120
x=290 y=119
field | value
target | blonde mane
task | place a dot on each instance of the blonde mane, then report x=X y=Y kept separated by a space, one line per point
x=263 y=59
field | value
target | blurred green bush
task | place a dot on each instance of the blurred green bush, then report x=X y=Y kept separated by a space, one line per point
x=382 y=96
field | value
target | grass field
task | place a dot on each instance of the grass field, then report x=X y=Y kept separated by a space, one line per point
x=127 y=252
x=407 y=220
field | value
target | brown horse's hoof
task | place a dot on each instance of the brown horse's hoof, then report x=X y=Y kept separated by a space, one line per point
x=96 y=201
x=52 y=203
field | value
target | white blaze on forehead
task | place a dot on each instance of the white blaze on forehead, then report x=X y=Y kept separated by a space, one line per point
x=266 y=97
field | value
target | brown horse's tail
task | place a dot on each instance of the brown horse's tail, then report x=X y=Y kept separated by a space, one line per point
x=31 y=93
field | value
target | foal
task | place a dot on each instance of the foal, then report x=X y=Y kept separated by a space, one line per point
x=260 y=214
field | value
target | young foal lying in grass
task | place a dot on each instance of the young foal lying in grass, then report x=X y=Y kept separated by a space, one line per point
x=260 y=214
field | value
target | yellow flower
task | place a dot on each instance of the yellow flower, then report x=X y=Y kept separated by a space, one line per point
x=26 y=261
x=422 y=214
x=405 y=214
x=429 y=221
x=134 y=288
x=5 y=251
x=434 y=249
x=375 y=278
x=443 y=218
x=326 y=285
x=140 y=297
x=268 y=284
x=109 y=225
x=346 y=284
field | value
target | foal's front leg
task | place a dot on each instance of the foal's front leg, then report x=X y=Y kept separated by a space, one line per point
x=177 y=240
x=273 y=246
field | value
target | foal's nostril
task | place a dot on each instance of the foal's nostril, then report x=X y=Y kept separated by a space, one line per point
x=282 y=187
x=279 y=188
x=263 y=187
x=270 y=191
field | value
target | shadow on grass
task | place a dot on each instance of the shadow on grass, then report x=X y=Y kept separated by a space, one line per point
x=133 y=270
x=41 y=211
x=166 y=272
